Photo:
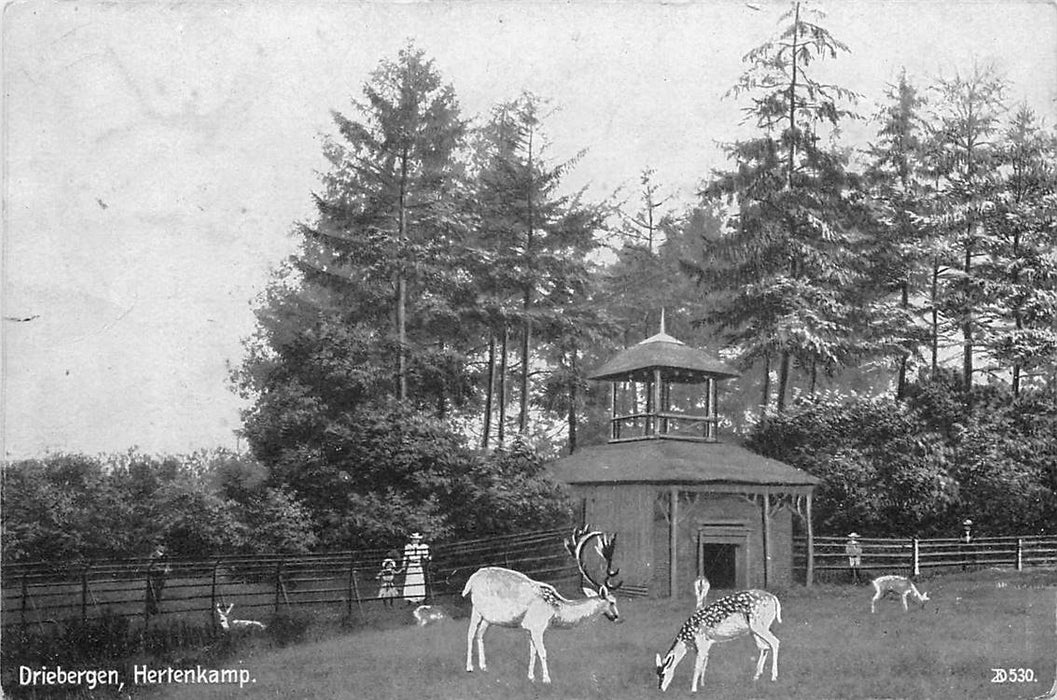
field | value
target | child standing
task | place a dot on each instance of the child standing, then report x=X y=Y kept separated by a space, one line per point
x=387 y=591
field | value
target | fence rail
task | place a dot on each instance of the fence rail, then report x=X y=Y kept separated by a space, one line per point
x=913 y=556
x=39 y=594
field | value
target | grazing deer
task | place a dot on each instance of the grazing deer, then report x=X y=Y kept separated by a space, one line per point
x=701 y=588
x=426 y=614
x=744 y=612
x=229 y=625
x=512 y=599
x=901 y=586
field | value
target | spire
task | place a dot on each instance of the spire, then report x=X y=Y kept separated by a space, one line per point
x=662 y=321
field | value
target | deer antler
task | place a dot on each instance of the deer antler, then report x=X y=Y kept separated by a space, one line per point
x=605 y=547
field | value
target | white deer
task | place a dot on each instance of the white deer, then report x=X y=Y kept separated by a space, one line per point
x=427 y=614
x=745 y=612
x=901 y=586
x=229 y=625
x=701 y=588
x=511 y=599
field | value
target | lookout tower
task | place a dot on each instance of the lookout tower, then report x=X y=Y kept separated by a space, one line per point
x=684 y=501
x=663 y=389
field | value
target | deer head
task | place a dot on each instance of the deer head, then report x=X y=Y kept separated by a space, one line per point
x=605 y=546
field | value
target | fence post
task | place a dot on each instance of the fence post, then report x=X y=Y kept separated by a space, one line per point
x=1020 y=554
x=25 y=600
x=278 y=583
x=917 y=556
x=356 y=588
x=213 y=592
x=348 y=590
x=84 y=594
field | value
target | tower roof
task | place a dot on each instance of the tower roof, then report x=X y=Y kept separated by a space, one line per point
x=677 y=361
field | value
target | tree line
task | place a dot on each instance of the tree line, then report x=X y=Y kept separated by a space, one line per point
x=427 y=346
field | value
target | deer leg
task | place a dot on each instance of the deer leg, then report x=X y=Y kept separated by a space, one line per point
x=763 y=647
x=541 y=651
x=873 y=601
x=767 y=636
x=905 y=601
x=475 y=620
x=481 y=629
x=700 y=663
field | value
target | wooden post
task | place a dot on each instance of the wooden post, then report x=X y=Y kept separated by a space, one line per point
x=656 y=402
x=710 y=425
x=84 y=594
x=25 y=600
x=673 y=552
x=915 y=544
x=766 y=539
x=614 y=428
x=349 y=588
x=278 y=583
x=356 y=590
x=213 y=591
x=810 y=578
x=1020 y=554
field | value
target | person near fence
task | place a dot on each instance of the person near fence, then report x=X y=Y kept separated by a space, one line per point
x=387 y=576
x=853 y=550
x=158 y=569
x=416 y=556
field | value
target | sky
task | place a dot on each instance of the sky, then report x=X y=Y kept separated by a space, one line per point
x=156 y=157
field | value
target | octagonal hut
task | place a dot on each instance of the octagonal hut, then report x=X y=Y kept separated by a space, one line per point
x=683 y=502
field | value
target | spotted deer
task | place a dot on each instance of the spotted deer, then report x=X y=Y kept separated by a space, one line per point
x=901 y=586
x=509 y=598
x=745 y=612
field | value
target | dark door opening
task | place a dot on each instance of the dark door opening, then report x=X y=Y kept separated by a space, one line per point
x=717 y=562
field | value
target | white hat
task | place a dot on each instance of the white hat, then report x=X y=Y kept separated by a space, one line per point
x=853 y=535
x=416 y=535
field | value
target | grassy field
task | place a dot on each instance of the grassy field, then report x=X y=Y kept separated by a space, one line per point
x=832 y=647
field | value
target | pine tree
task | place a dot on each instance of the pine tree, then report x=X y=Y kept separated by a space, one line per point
x=786 y=264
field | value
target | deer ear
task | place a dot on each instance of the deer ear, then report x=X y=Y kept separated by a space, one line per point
x=658 y=662
x=590 y=592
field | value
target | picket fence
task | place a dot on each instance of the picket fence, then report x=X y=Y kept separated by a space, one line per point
x=915 y=556
x=42 y=594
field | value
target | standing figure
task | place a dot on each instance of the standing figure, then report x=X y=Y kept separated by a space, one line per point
x=416 y=555
x=158 y=569
x=853 y=550
x=387 y=590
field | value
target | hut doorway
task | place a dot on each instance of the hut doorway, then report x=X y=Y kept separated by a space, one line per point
x=722 y=550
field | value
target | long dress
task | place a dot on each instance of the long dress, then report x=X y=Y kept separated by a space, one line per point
x=387 y=576
x=415 y=556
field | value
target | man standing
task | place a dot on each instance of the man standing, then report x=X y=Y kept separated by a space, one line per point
x=853 y=550
x=416 y=555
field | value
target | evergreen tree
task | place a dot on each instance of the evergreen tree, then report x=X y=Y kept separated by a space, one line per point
x=786 y=263
x=899 y=252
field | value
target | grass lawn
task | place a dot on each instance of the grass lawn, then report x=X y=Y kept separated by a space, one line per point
x=832 y=647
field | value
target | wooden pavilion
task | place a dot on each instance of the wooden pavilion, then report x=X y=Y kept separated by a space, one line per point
x=682 y=502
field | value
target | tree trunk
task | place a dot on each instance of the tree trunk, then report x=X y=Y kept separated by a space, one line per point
x=526 y=341
x=489 y=391
x=502 y=384
x=901 y=380
x=934 y=293
x=401 y=286
x=967 y=328
x=573 y=397
x=783 y=381
x=766 y=386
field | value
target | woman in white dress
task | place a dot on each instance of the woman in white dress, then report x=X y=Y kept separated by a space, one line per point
x=416 y=554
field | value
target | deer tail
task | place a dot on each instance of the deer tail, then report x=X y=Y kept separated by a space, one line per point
x=777 y=610
x=469 y=584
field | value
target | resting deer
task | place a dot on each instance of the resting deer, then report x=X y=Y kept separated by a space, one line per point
x=745 y=612
x=901 y=586
x=427 y=614
x=228 y=624
x=512 y=599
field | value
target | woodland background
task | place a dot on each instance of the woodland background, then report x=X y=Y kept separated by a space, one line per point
x=892 y=306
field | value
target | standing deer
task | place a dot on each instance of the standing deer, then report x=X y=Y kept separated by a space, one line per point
x=511 y=599
x=901 y=586
x=745 y=612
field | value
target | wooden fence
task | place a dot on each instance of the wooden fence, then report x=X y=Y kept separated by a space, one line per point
x=914 y=556
x=40 y=594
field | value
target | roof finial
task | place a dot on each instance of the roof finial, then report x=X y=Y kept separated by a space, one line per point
x=662 y=319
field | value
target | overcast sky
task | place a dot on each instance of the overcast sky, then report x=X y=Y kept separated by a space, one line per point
x=157 y=155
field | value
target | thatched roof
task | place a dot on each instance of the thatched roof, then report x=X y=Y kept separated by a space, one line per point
x=675 y=462
x=678 y=362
